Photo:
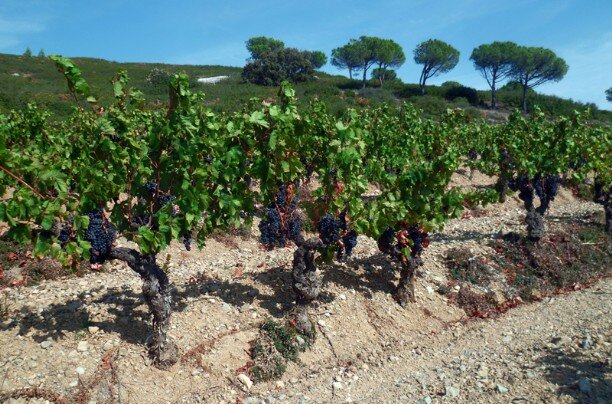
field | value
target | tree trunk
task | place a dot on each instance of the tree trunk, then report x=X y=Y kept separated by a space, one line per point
x=501 y=186
x=493 y=97
x=525 y=88
x=158 y=296
x=404 y=293
x=365 y=75
x=306 y=284
x=350 y=69
x=422 y=81
x=535 y=224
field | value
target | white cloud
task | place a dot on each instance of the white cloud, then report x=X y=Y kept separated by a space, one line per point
x=12 y=31
x=19 y=26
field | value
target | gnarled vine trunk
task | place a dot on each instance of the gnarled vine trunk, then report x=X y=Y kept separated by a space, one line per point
x=535 y=224
x=404 y=293
x=306 y=284
x=158 y=296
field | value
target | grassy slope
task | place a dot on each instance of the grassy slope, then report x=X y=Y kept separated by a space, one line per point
x=38 y=81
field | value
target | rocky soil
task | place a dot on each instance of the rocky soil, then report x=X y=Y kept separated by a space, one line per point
x=85 y=335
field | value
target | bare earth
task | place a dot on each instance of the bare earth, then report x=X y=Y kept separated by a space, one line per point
x=88 y=333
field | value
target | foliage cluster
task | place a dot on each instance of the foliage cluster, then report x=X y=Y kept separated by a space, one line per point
x=153 y=176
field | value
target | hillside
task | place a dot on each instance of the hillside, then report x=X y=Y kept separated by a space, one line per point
x=81 y=337
x=35 y=79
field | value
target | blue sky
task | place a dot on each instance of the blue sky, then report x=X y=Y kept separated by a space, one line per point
x=214 y=32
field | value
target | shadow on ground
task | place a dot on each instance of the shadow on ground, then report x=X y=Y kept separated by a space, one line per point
x=566 y=369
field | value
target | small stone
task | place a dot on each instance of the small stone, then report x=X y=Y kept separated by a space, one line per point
x=501 y=389
x=226 y=307
x=393 y=358
x=80 y=370
x=457 y=288
x=451 y=391
x=342 y=296
x=46 y=344
x=280 y=384
x=108 y=345
x=507 y=339
x=245 y=380
x=195 y=372
x=83 y=346
x=430 y=291
x=424 y=400
x=321 y=323
x=300 y=340
x=584 y=385
x=74 y=383
x=587 y=342
x=93 y=329
x=337 y=385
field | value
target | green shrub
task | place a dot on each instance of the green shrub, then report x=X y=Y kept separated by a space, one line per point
x=470 y=94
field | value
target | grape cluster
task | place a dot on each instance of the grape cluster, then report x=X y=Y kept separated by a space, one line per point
x=420 y=240
x=393 y=242
x=163 y=198
x=329 y=230
x=336 y=231
x=281 y=221
x=546 y=188
x=65 y=234
x=386 y=241
x=187 y=240
x=349 y=242
x=101 y=234
x=472 y=154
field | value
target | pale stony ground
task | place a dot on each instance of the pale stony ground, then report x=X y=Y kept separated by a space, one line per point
x=368 y=348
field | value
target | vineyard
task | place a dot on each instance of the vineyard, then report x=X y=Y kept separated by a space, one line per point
x=126 y=184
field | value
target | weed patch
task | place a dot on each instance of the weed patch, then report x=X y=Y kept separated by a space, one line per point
x=465 y=266
x=567 y=259
x=276 y=345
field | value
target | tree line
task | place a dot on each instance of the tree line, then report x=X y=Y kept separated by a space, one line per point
x=271 y=62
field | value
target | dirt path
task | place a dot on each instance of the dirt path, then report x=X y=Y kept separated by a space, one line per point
x=87 y=333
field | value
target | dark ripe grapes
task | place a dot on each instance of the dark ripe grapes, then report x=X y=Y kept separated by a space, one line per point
x=151 y=187
x=472 y=154
x=526 y=193
x=281 y=221
x=343 y=221
x=512 y=184
x=386 y=240
x=281 y=198
x=65 y=233
x=187 y=240
x=101 y=234
x=270 y=229
x=551 y=186
x=165 y=198
x=142 y=220
x=329 y=230
x=295 y=229
x=418 y=238
x=350 y=241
